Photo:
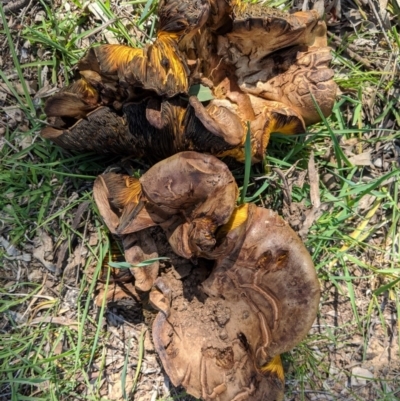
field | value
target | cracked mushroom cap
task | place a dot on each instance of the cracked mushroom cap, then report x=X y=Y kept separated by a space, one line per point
x=274 y=269
x=297 y=77
x=259 y=301
x=281 y=57
x=262 y=30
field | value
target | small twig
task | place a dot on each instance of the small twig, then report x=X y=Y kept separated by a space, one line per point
x=311 y=392
x=347 y=49
x=287 y=196
x=56 y=320
x=379 y=18
x=60 y=191
x=26 y=295
x=34 y=299
x=81 y=245
x=99 y=28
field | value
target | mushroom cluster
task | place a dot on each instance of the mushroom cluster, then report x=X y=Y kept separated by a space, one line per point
x=263 y=71
x=260 y=298
x=255 y=64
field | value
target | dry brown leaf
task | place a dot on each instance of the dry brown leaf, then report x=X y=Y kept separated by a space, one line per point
x=362 y=159
x=44 y=251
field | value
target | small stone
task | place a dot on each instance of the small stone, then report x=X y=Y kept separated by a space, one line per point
x=359 y=376
x=223 y=334
x=35 y=276
x=40 y=16
x=222 y=315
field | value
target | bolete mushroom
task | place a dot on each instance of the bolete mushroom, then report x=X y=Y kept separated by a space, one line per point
x=259 y=65
x=259 y=301
x=189 y=195
x=260 y=298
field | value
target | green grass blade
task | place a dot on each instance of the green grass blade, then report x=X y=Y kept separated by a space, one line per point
x=17 y=66
x=247 y=163
x=140 y=360
x=340 y=156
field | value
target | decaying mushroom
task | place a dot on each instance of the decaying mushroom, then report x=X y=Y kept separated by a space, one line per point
x=263 y=69
x=260 y=298
x=188 y=195
x=299 y=67
x=259 y=65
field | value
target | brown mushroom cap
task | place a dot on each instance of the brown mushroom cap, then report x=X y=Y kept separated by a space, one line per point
x=272 y=266
x=293 y=77
x=189 y=194
x=281 y=57
x=198 y=352
x=259 y=31
x=261 y=300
